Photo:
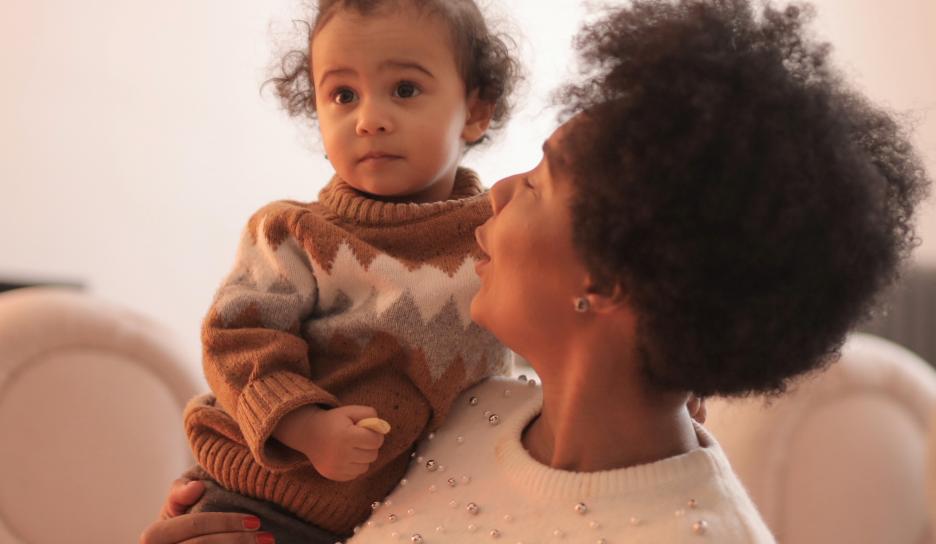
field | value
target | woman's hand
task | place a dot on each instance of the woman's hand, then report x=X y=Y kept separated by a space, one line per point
x=182 y=495
x=177 y=527
x=207 y=528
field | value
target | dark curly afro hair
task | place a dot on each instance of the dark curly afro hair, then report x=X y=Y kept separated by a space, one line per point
x=486 y=60
x=749 y=203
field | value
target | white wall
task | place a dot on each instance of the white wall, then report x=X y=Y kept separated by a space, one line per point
x=134 y=143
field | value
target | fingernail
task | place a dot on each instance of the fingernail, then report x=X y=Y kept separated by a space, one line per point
x=265 y=538
x=251 y=522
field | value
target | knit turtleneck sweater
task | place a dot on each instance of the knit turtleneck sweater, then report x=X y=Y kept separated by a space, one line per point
x=347 y=300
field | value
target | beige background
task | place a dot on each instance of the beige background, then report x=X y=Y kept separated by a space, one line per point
x=134 y=143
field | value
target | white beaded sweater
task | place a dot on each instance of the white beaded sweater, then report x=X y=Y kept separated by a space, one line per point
x=346 y=300
x=474 y=482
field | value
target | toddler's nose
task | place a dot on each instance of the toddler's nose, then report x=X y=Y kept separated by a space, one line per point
x=373 y=119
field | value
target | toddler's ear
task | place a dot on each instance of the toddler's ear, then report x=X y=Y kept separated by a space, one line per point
x=479 y=117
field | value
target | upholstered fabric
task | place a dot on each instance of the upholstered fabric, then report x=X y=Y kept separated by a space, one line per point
x=842 y=456
x=91 y=398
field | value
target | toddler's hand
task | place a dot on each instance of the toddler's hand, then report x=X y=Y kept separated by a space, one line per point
x=337 y=448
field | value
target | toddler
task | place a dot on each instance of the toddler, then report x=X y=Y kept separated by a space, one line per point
x=356 y=306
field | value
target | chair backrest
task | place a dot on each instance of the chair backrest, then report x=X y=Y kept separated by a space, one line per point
x=842 y=456
x=91 y=397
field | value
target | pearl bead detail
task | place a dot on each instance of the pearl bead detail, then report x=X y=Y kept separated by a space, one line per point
x=431 y=436
x=452 y=482
x=403 y=482
x=417 y=538
x=466 y=479
x=460 y=439
x=472 y=527
x=411 y=512
x=508 y=518
x=594 y=524
x=699 y=527
x=453 y=503
x=376 y=504
x=532 y=383
x=580 y=508
x=433 y=488
x=495 y=533
x=473 y=401
x=472 y=509
x=391 y=518
x=494 y=419
x=431 y=465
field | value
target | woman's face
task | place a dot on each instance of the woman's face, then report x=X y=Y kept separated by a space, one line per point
x=532 y=274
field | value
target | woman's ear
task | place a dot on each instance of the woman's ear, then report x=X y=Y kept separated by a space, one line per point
x=605 y=298
x=478 y=118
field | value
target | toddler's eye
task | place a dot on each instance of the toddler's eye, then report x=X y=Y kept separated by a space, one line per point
x=406 y=90
x=343 y=96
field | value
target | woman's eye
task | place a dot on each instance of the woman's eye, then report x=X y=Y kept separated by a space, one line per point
x=406 y=90
x=344 y=96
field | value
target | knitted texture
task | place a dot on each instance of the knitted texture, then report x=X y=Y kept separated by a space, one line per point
x=690 y=498
x=347 y=300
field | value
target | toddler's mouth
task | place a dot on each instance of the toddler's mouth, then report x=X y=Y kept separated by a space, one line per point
x=378 y=156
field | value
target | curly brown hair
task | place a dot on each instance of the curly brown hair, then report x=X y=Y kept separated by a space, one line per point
x=749 y=203
x=486 y=60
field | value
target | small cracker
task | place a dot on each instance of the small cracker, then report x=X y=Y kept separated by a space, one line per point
x=375 y=424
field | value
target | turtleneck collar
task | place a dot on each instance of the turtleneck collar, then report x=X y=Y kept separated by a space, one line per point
x=351 y=205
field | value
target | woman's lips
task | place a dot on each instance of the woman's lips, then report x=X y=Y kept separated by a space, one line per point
x=485 y=258
x=481 y=263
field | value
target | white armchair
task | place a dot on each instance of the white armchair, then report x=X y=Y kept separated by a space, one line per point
x=842 y=458
x=91 y=397
x=90 y=435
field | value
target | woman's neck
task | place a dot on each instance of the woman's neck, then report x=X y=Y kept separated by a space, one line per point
x=596 y=418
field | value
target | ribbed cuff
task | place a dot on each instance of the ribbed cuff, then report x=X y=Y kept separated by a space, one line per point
x=263 y=403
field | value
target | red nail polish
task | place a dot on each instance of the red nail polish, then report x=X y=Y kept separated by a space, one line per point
x=251 y=522
x=265 y=538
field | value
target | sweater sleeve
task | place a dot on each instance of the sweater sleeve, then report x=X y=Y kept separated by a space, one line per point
x=254 y=356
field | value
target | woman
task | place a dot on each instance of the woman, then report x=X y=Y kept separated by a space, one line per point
x=716 y=214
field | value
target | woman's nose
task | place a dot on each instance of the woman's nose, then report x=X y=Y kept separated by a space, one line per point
x=502 y=192
x=373 y=118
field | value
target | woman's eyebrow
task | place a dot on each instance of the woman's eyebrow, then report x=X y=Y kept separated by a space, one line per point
x=554 y=160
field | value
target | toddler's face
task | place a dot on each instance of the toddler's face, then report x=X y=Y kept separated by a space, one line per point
x=391 y=103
